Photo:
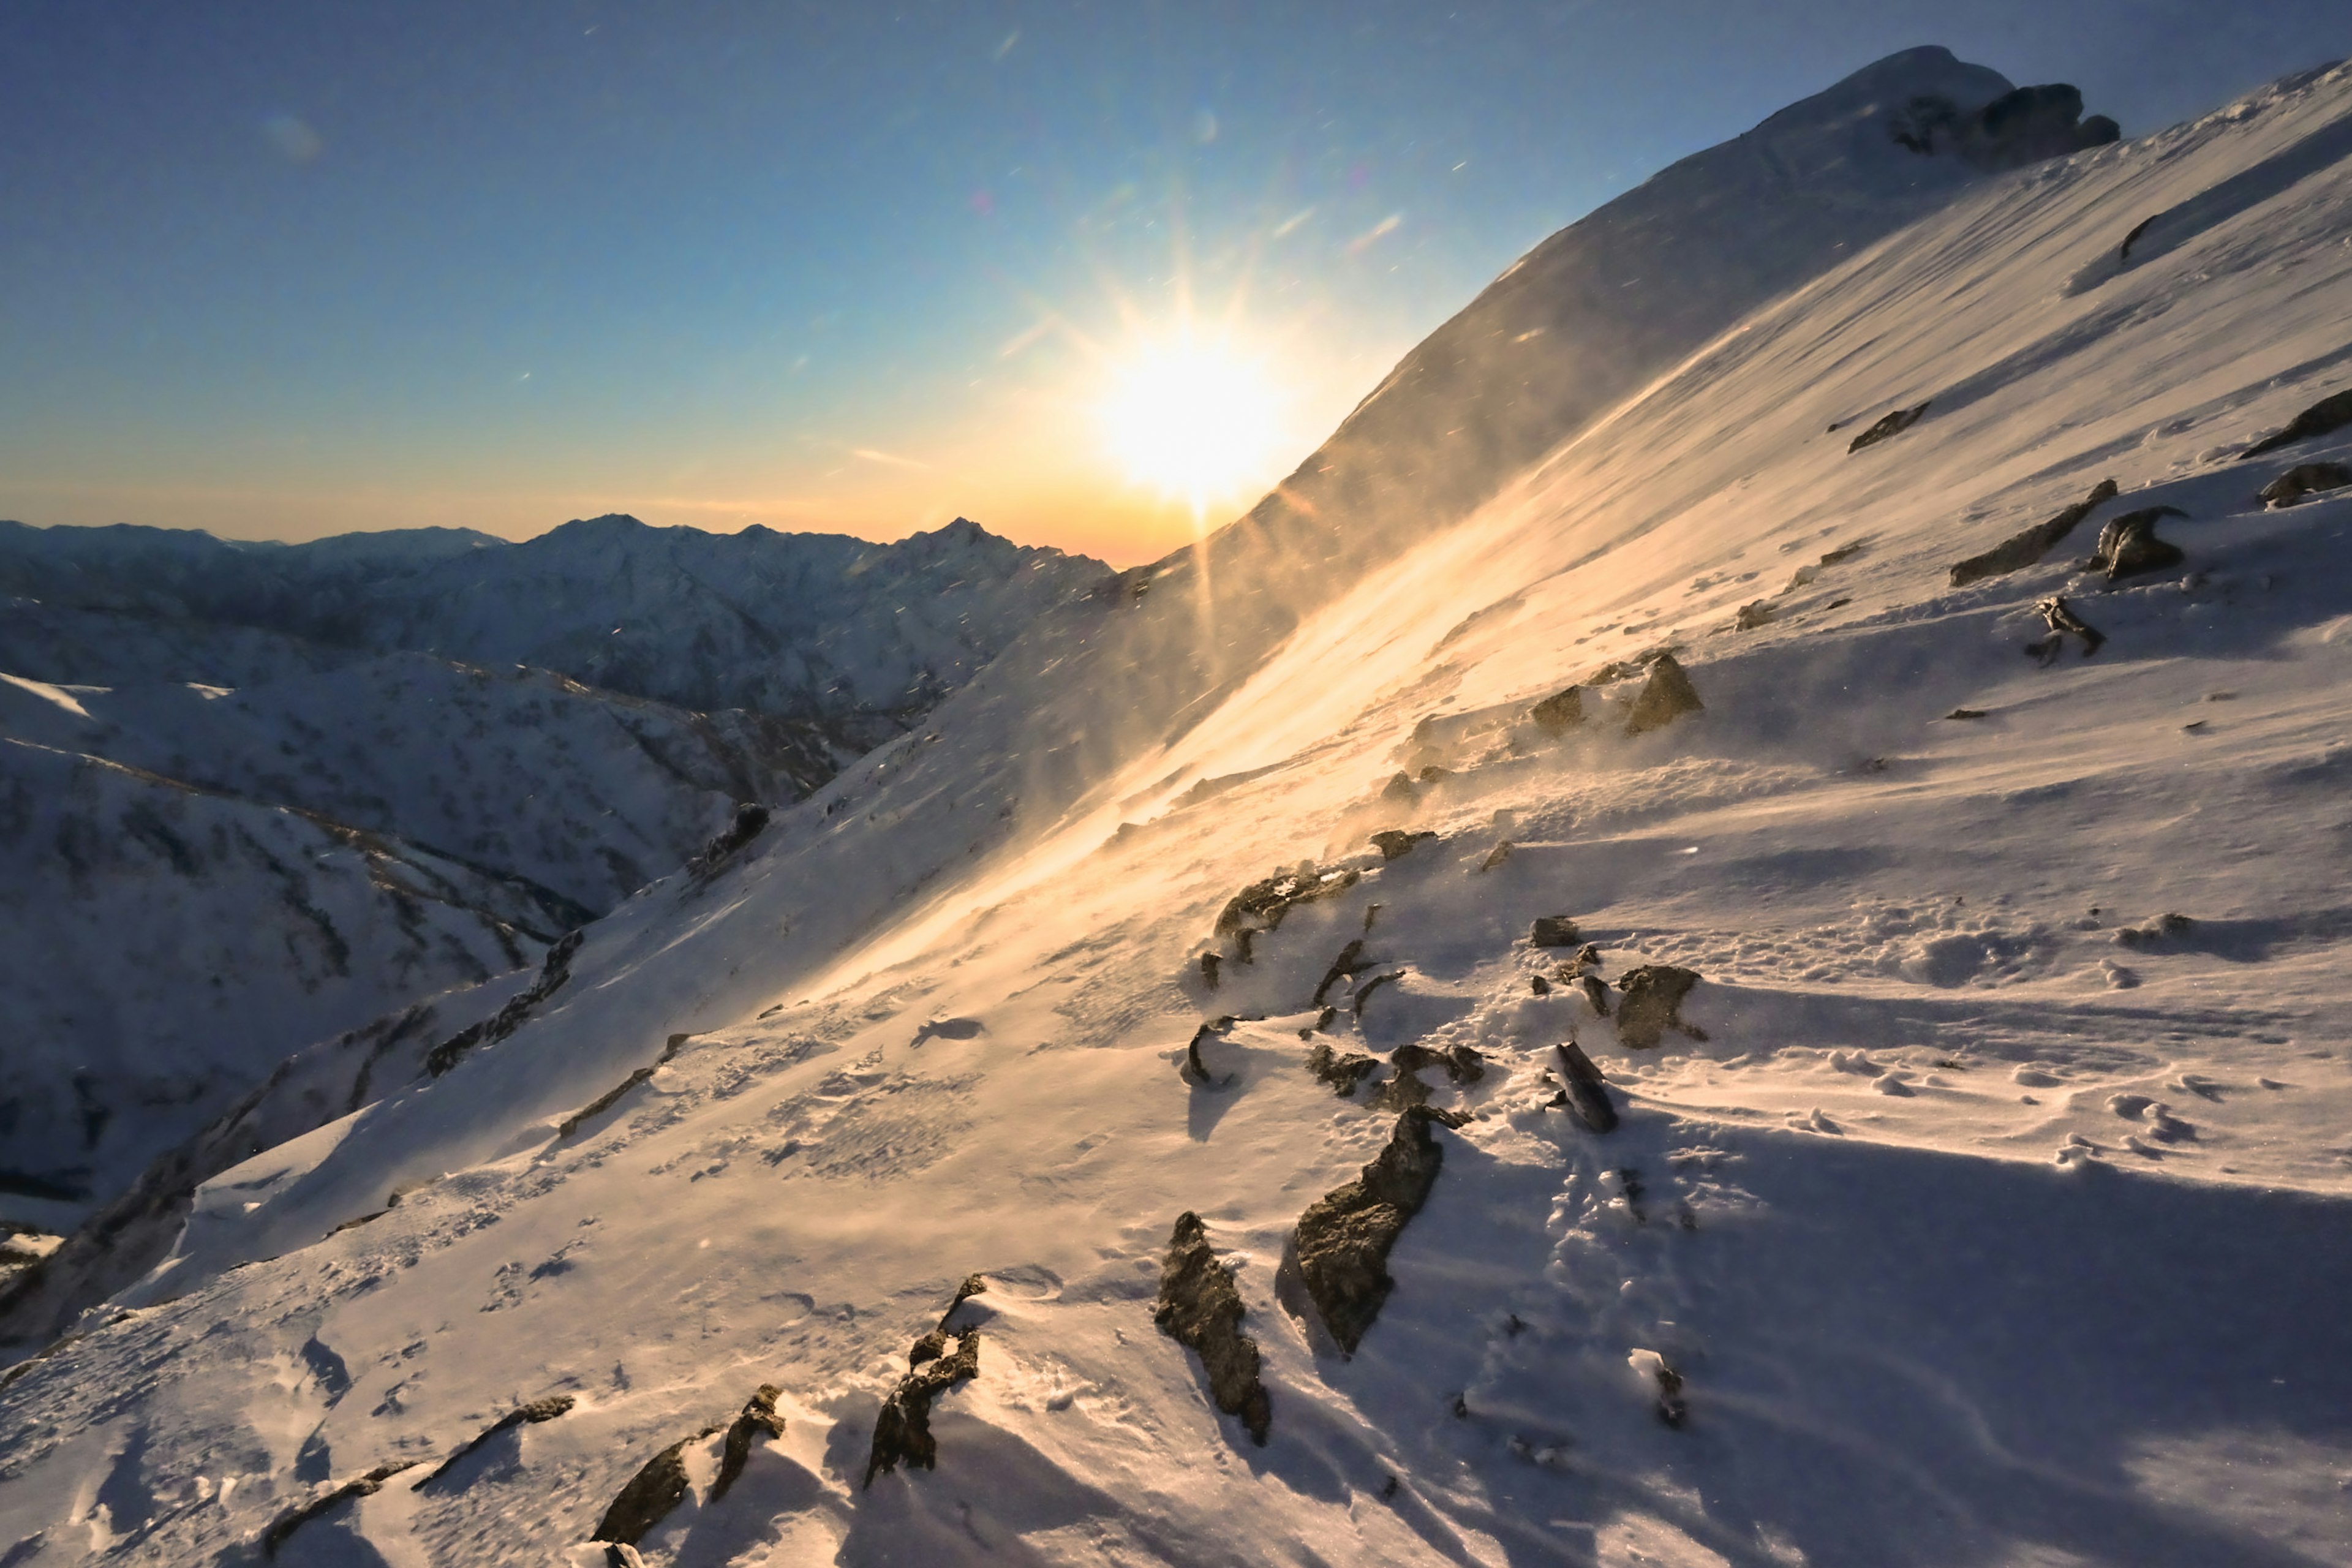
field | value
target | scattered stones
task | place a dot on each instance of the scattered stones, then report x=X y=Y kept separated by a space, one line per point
x=1583 y=1092
x=1342 y=1246
x=1262 y=904
x=1560 y=712
x=1759 y=614
x=2019 y=550
x=1654 y=997
x=2129 y=546
x=758 y=1415
x=2305 y=480
x=657 y=1487
x=1199 y=1309
x=902 y=1432
x=2063 y=623
x=1665 y=696
x=1395 y=845
x=368 y=1485
x=1554 y=931
x=1892 y=425
x=1349 y=963
x=530 y=1415
x=2323 y=418
x=1342 y=1071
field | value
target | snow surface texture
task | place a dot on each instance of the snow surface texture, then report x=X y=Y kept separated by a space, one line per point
x=178 y=931
x=1995 y=1219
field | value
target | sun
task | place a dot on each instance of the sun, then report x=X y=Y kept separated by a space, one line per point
x=1194 y=418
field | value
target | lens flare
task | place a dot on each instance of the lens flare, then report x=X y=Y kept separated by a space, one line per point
x=1195 y=419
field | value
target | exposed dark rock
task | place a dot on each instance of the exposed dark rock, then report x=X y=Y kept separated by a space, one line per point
x=2158 y=931
x=1322 y=1022
x=530 y=1415
x=1654 y=997
x=935 y=1029
x=1497 y=856
x=1672 y=1410
x=2064 y=621
x=553 y=971
x=651 y=1493
x=1759 y=614
x=1196 y=1072
x=1539 y=985
x=1343 y=1240
x=902 y=1431
x=1350 y=962
x=1394 y=845
x=758 y=1416
x=1199 y=1309
x=1554 y=931
x=619 y=1556
x=1399 y=788
x=2323 y=418
x=1665 y=696
x=2128 y=545
x=1586 y=957
x=1364 y=992
x=2022 y=550
x=1582 y=1091
x=1210 y=964
x=1560 y=712
x=1261 y=905
x=751 y=821
x=2123 y=253
x=1966 y=713
x=2022 y=126
x=1435 y=775
x=368 y=1485
x=1342 y=1071
x=1462 y=1064
x=1892 y=425
x=2305 y=480
x=1843 y=553
x=1596 y=990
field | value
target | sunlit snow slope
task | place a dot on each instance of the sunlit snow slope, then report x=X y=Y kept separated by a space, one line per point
x=1995 y=1219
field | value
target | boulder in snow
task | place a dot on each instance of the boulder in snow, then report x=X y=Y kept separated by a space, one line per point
x=1888 y=425
x=2129 y=546
x=2019 y=550
x=1341 y=1250
x=2323 y=418
x=2305 y=480
x=1199 y=1309
x=1665 y=697
x=1653 y=1004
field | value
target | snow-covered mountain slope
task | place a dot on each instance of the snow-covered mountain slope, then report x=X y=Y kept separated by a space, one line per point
x=166 y=945
x=1966 y=1210
x=861 y=638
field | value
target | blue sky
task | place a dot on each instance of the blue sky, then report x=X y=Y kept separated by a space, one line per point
x=293 y=269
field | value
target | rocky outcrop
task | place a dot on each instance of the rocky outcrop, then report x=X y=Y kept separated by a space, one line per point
x=1653 y=1002
x=1341 y=1250
x=2305 y=480
x=1554 y=931
x=1560 y=712
x=2019 y=550
x=2129 y=546
x=2323 y=418
x=368 y=1485
x=1889 y=425
x=1394 y=845
x=1665 y=697
x=751 y=821
x=902 y=1432
x=553 y=971
x=1343 y=1070
x=2063 y=622
x=612 y=1097
x=1262 y=904
x=650 y=1495
x=530 y=1415
x=1350 y=961
x=758 y=1416
x=2024 y=125
x=1199 y=1309
x=1581 y=1089
x=1195 y=1071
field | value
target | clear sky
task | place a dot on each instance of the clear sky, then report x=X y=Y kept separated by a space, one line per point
x=288 y=270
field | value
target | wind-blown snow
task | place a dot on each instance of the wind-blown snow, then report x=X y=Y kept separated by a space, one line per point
x=1994 y=1219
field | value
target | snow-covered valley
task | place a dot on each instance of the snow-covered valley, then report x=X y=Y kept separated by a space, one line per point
x=1972 y=1181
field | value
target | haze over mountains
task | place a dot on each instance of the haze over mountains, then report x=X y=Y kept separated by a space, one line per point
x=1879 y=585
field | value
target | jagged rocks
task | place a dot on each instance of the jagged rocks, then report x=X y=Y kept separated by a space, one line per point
x=1653 y=1002
x=1583 y=1092
x=1404 y=1089
x=2024 y=125
x=1554 y=931
x=1262 y=904
x=1665 y=697
x=1199 y=1309
x=1560 y=712
x=1341 y=1250
x=1497 y=856
x=650 y=1494
x=367 y=1485
x=2019 y=550
x=2063 y=622
x=1751 y=616
x=1400 y=790
x=902 y=1431
x=2305 y=480
x=553 y=971
x=1342 y=1071
x=2128 y=545
x=1350 y=962
x=758 y=1415
x=530 y=1415
x=1890 y=426
x=751 y=821
x=2323 y=418
x=1394 y=845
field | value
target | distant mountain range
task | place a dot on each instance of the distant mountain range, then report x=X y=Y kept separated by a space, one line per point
x=254 y=794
